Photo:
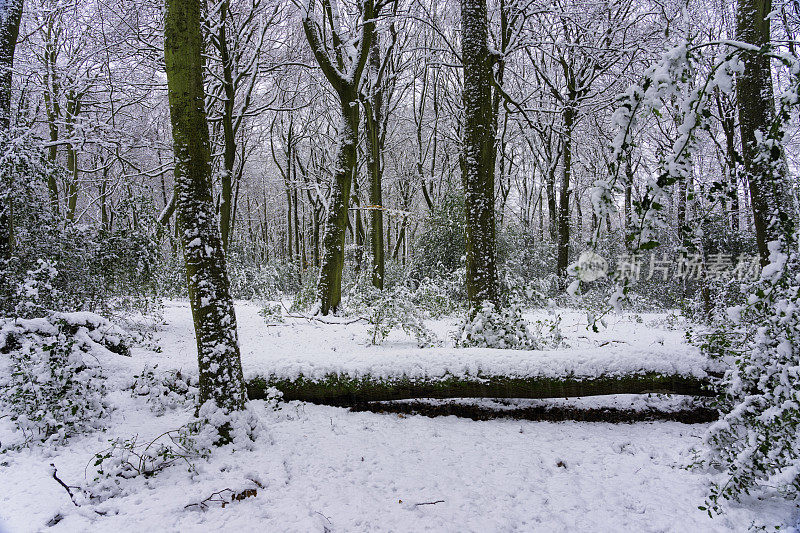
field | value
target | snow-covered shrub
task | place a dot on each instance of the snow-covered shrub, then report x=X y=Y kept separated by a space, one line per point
x=127 y=459
x=164 y=390
x=271 y=313
x=306 y=297
x=437 y=298
x=35 y=294
x=388 y=310
x=257 y=280
x=548 y=332
x=493 y=327
x=756 y=442
x=440 y=245
x=54 y=386
x=100 y=268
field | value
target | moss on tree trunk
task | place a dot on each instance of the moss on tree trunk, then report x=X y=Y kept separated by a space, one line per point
x=218 y=357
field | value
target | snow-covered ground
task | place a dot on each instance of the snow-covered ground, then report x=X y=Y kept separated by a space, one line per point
x=328 y=469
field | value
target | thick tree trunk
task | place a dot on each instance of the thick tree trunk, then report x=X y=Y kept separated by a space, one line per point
x=10 y=16
x=329 y=287
x=345 y=82
x=221 y=378
x=769 y=200
x=478 y=154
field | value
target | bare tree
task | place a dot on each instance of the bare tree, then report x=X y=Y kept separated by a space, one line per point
x=343 y=71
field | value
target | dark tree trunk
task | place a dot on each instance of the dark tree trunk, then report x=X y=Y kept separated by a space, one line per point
x=552 y=210
x=564 y=194
x=374 y=121
x=756 y=112
x=221 y=378
x=478 y=154
x=10 y=16
x=329 y=288
x=345 y=81
x=229 y=137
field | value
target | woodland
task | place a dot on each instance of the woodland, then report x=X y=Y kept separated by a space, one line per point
x=381 y=265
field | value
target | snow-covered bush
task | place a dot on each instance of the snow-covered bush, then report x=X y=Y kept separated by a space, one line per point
x=306 y=297
x=438 y=297
x=164 y=390
x=271 y=313
x=756 y=442
x=127 y=459
x=53 y=384
x=99 y=268
x=495 y=327
x=389 y=310
x=440 y=245
x=548 y=332
x=259 y=280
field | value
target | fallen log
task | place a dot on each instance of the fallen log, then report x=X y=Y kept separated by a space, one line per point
x=347 y=390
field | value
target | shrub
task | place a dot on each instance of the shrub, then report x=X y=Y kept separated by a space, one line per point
x=164 y=390
x=493 y=327
x=756 y=442
x=55 y=387
x=389 y=310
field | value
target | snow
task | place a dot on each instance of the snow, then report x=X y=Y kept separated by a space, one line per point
x=313 y=349
x=322 y=468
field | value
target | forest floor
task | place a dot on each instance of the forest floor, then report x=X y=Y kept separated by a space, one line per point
x=320 y=468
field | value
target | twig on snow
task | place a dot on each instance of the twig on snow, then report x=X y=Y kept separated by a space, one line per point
x=69 y=488
x=428 y=503
x=317 y=319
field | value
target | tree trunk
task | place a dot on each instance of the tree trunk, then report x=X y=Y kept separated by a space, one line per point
x=229 y=138
x=628 y=215
x=52 y=108
x=551 y=203
x=221 y=378
x=10 y=16
x=478 y=155
x=73 y=110
x=344 y=389
x=329 y=287
x=374 y=120
x=345 y=82
x=564 y=194
x=756 y=112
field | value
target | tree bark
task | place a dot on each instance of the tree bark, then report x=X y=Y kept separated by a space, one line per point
x=478 y=155
x=345 y=82
x=229 y=137
x=221 y=378
x=564 y=193
x=10 y=16
x=329 y=287
x=755 y=102
x=374 y=121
